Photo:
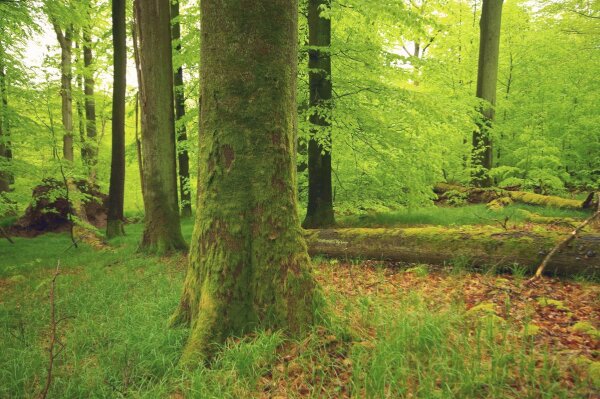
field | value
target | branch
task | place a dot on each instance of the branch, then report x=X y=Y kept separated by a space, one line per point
x=53 y=339
x=564 y=242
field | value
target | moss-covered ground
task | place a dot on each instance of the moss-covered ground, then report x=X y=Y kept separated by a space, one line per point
x=390 y=332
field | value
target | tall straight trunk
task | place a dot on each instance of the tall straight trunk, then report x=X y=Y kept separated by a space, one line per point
x=182 y=153
x=90 y=152
x=80 y=112
x=66 y=70
x=487 y=75
x=5 y=153
x=248 y=268
x=116 y=193
x=319 y=212
x=162 y=231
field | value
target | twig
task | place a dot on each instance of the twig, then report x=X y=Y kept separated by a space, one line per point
x=5 y=235
x=564 y=242
x=53 y=339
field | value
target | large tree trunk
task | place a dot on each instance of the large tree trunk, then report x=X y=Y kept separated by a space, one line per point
x=487 y=75
x=182 y=153
x=473 y=247
x=116 y=194
x=66 y=69
x=249 y=268
x=162 y=231
x=90 y=149
x=319 y=212
x=5 y=153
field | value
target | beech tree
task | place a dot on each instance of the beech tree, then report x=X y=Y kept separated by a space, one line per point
x=89 y=146
x=248 y=268
x=116 y=196
x=162 y=231
x=5 y=151
x=487 y=75
x=319 y=212
x=65 y=39
x=181 y=132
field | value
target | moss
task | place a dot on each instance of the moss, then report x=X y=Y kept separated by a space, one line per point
x=586 y=328
x=544 y=200
x=482 y=308
x=591 y=368
x=530 y=330
x=418 y=270
x=499 y=203
x=543 y=301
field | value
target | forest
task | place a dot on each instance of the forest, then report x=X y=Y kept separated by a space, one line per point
x=299 y=199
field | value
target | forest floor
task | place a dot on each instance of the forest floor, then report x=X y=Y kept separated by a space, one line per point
x=389 y=330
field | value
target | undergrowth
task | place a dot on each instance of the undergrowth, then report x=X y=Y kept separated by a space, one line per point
x=116 y=303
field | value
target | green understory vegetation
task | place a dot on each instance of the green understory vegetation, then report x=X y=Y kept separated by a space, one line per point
x=115 y=303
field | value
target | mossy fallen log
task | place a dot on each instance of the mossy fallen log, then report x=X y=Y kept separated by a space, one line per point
x=477 y=247
x=477 y=195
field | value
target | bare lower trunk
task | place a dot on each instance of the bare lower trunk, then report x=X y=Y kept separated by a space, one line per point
x=116 y=196
x=181 y=132
x=90 y=150
x=319 y=211
x=66 y=46
x=162 y=232
x=487 y=75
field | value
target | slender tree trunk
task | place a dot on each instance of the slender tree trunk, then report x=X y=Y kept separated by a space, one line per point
x=66 y=46
x=90 y=147
x=5 y=153
x=182 y=153
x=249 y=267
x=116 y=195
x=319 y=212
x=80 y=112
x=487 y=75
x=162 y=232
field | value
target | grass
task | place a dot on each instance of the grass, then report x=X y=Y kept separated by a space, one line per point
x=457 y=216
x=117 y=343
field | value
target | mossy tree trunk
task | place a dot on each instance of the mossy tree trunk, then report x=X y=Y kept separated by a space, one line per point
x=487 y=75
x=182 y=153
x=116 y=194
x=65 y=39
x=248 y=268
x=475 y=247
x=162 y=231
x=319 y=212
x=90 y=148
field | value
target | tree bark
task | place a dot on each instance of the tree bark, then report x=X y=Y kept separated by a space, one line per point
x=487 y=75
x=5 y=153
x=181 y=132
x=66 y=50
x=162 y=231
x=116 y=191
x=476 y=247
x=319 y=211
x=90 y=149
x=249 y=268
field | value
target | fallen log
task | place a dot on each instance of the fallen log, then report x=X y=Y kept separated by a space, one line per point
x=477 y=195
x=480 y=247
